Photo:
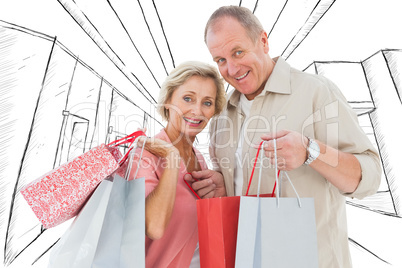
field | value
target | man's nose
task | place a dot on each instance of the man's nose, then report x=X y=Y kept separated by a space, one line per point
x=233 y=68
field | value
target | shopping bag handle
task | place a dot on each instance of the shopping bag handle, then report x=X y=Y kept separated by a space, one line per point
x=130 y=162
x=191 y=188
x=127 y=139
x=251 y=177
x=252 y=172
x=278 y=192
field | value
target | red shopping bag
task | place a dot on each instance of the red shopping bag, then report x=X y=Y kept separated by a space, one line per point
x=217 y=227
x=59 y=195
x=217 y=230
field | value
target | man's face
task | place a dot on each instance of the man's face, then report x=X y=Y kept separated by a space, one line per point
x=242 y=62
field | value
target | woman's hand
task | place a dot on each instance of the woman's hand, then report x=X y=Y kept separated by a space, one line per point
x=160 y=202
x=158 y=147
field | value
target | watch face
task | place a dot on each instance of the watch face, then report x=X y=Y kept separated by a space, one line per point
x=314 y=149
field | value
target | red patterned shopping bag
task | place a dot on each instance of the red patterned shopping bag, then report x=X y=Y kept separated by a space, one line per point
x=59 y=195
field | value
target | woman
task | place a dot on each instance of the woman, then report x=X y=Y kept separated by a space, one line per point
x=189 y=97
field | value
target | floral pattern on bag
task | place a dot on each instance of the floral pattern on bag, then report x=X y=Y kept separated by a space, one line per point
x=59 y=195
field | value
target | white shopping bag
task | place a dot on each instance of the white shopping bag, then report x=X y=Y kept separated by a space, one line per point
x=77 y=246
x=122 y=238
x=110 y=229
x=276 y=231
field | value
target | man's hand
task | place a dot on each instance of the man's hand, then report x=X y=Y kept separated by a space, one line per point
x=291 y=149
x=210 y=183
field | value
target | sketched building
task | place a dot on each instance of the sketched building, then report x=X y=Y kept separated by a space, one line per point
x=53 y=108
x=373 y=88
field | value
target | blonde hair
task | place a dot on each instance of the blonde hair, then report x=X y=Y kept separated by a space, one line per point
x=179 y=75
x=244 y=16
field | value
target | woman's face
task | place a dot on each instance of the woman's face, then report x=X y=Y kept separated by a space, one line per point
x=191 y=106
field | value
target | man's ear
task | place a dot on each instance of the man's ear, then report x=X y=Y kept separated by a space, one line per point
x=264 y=41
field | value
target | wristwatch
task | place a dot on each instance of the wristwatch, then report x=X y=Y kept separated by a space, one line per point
x=313 y=150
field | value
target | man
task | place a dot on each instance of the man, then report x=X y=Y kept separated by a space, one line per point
x=319 y=140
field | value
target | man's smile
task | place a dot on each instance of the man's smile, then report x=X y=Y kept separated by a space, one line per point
x=241 y=77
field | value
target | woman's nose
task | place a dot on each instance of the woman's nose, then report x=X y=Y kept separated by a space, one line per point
x=196 y=109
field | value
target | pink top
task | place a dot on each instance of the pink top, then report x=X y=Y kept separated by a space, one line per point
x=176 y=247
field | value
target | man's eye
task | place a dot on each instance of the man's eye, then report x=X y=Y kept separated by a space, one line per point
x=238 y=52
x=220 y=60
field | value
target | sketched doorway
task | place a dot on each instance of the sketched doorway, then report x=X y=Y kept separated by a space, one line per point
x=73 y=136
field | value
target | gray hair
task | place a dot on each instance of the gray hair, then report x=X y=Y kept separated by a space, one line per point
x=243 y=15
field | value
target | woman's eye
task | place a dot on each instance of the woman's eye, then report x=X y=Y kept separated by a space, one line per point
x=188 y=99
x=208 y=103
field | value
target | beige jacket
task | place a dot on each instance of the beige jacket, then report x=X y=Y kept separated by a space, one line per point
x=314 y=106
